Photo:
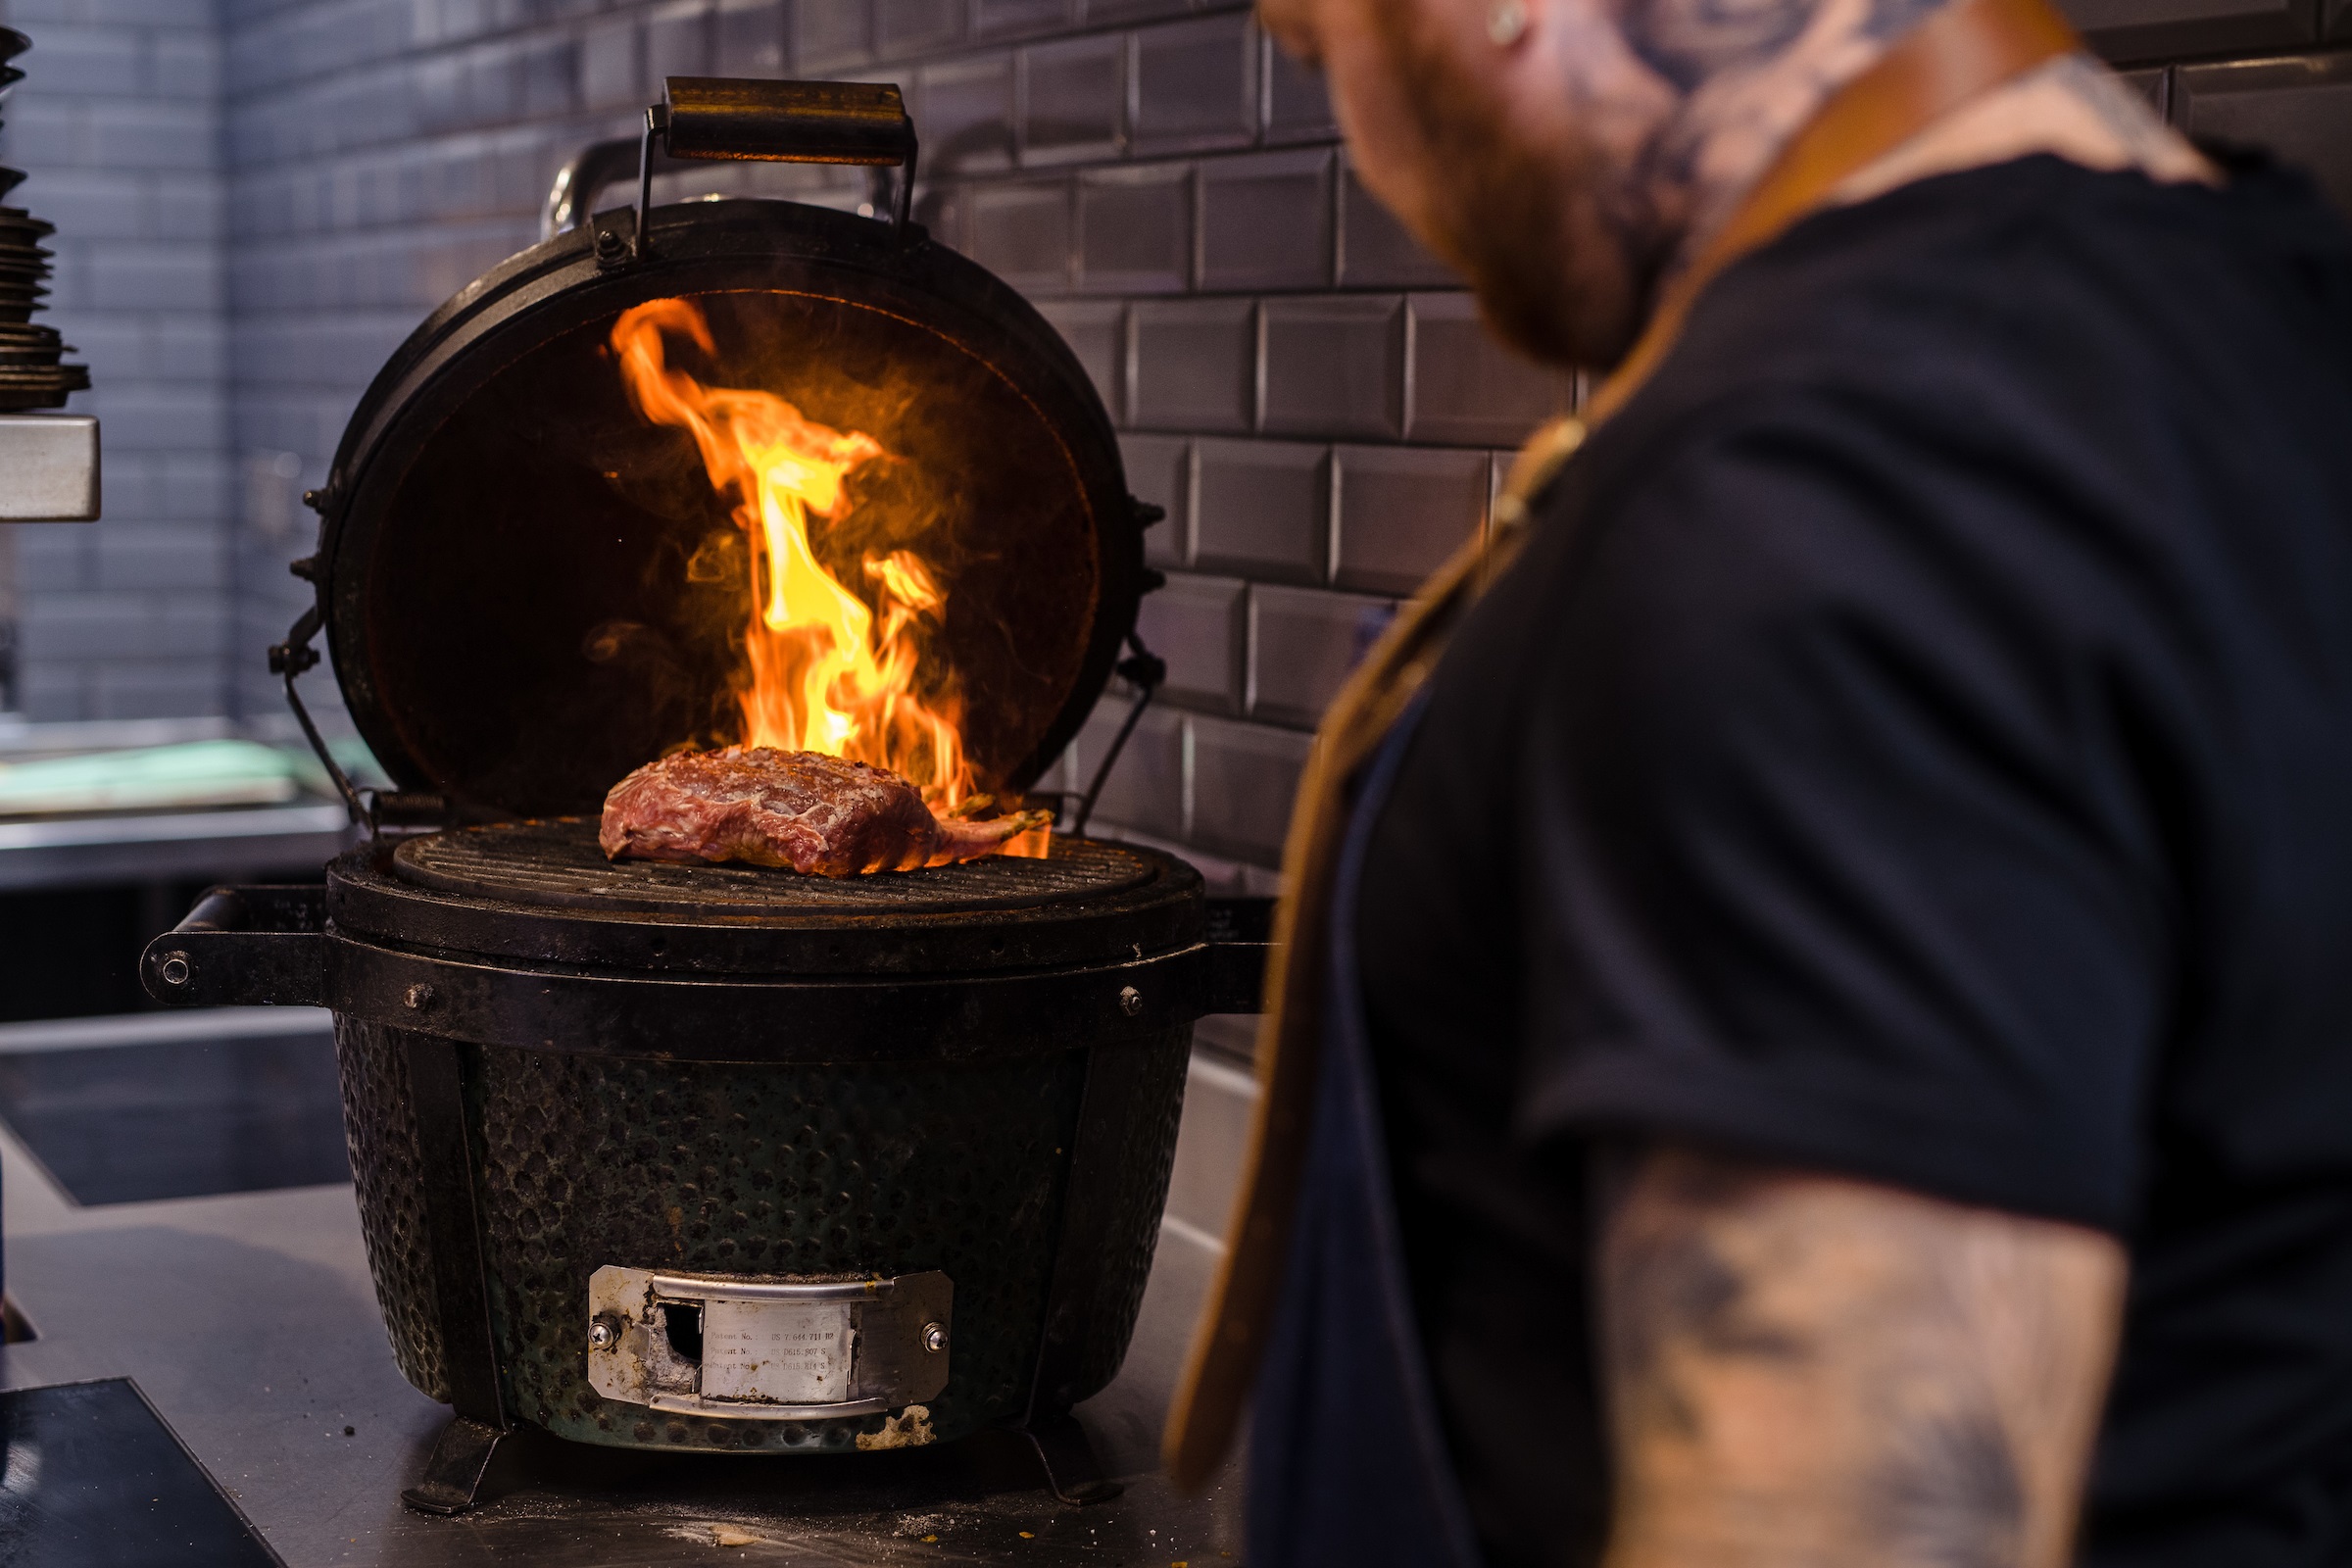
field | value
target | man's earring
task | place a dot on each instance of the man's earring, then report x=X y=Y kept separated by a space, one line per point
x=1506 y=23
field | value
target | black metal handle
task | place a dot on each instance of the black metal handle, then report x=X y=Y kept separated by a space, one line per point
x=241 y=945
x=790 y=121
x=780 y=121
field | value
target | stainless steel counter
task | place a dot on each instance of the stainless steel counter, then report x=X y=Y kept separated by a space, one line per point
x=250 y=1324
x=226 y=844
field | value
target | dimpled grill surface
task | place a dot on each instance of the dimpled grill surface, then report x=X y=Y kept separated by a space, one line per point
x=385 y=1168
x=555 y=861
x=1136 y=1204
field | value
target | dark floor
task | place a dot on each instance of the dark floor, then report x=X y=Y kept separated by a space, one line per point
x=93 y=1479
x=181 y=1118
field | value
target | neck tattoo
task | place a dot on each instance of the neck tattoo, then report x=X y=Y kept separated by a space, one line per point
x=1750 y=73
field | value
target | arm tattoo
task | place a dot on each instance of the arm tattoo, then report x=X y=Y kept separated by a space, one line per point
x=1805 y=1370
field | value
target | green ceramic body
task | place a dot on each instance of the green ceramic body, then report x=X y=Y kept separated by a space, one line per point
x=729 y=1168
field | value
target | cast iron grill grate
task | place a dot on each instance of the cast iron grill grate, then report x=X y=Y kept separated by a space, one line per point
x=555 y=861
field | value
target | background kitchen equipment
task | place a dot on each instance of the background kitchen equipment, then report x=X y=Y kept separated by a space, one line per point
x=48 y=462
x=900 y=1143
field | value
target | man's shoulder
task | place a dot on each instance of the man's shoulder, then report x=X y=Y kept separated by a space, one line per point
x=2037 y=330
x=2038 y=283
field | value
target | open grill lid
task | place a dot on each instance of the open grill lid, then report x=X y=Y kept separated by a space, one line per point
x=529 y=589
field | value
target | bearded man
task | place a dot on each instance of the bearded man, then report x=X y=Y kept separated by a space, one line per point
x=1816 y=1026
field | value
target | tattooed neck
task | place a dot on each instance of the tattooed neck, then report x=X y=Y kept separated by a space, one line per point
x=1750 y=73
x=1570 y=177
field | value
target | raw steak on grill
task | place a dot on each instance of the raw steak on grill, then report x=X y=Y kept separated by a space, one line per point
x=802 y=809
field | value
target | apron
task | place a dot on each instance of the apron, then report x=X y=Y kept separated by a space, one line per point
x=1348 y=1460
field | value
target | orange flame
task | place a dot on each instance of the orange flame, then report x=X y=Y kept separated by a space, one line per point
x=828 y=672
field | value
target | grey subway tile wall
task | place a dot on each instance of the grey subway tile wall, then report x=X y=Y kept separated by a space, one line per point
x=832 y=34
x=1160 y=472
x=1243 y=777
x=119 y=127
x=1194 y=85
x=1332 y=365
x=1465 y=387
x=1135 y=227
x=1261 y=508
x=1399 y=512
x=1001 y=17
x=2299 y=105
x=963 y=114
x=1095 y=331
x=1022 y=232
x=748 y=41
x=1073 y=99
x=1374 y=250
x=1302 y=642
x=1298 y=109
x=1195 y=624
x=2135 y=29
x=1266 y=221
x=1193 y=366
x=259 y=198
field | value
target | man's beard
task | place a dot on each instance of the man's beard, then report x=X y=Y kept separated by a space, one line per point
x=1554 y=248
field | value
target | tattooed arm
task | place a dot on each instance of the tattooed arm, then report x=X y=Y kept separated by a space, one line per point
x=1810 y=1370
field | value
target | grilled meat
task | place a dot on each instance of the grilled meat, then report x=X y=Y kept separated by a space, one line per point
x=810 y=812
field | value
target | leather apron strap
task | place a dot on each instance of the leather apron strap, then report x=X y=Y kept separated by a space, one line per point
x=1961 y=52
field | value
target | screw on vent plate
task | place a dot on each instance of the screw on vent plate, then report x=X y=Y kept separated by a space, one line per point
x=603 y=1334
x=935 y=1337
x=1131 y=1000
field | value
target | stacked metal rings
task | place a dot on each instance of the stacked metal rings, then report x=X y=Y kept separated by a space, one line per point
x=32 y=373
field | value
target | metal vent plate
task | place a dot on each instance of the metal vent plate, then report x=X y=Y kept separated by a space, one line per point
x=555 y=862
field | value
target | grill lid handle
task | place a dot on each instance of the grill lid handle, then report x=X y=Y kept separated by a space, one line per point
x=781 y=122
x=789 y=121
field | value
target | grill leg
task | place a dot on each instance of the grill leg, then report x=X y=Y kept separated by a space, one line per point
x=1072 y=1468
x=453 y=1476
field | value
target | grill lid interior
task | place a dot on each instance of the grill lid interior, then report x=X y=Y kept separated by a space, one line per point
x=529 y=589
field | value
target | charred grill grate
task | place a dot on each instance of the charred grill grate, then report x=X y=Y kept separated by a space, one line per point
x=557 y=862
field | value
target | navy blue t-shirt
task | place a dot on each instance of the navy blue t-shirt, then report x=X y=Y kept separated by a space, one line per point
x=1916 y=743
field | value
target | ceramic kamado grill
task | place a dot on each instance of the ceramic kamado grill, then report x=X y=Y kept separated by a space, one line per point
x=693 y=1156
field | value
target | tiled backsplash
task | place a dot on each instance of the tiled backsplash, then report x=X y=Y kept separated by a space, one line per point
x=1309 y=396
